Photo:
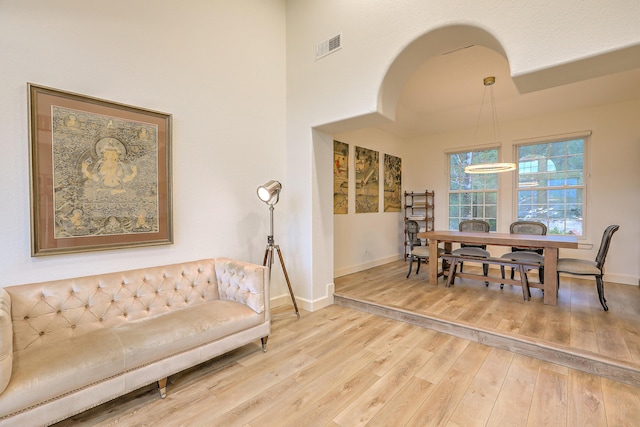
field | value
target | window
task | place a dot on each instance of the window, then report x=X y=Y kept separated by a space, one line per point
x=472 y=196
x=551 y=186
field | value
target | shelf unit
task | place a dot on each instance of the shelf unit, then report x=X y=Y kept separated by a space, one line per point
x=418 y=206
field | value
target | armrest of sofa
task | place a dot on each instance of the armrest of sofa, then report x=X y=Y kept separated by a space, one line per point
x=243 y=282
x=6 y=339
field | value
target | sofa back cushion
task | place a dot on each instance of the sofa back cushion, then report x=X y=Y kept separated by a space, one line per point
x=49 y=311
x=6 y=341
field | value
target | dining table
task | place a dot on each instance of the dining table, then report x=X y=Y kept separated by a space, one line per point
x=550 y=244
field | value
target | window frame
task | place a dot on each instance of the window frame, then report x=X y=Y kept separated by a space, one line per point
x=474 y=149
x=585 y=136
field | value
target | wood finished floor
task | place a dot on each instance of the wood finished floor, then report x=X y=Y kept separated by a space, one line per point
x=578 y=322
x=343 y=367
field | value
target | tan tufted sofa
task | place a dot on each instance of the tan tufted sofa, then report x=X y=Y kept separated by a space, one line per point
x=69 y=345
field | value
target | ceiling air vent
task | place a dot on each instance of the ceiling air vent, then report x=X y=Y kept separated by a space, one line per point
x=329 y=46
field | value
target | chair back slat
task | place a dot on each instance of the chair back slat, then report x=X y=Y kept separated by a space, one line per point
x=604 y=245
x=413 y=228
x=476 y=225
x=528 y=227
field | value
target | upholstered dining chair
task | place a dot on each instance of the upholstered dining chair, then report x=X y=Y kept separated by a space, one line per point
x=480 y=251
x=417 y=252
x=526 y=254
x=583 y=267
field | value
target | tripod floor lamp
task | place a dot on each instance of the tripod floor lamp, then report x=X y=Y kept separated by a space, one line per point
x=270 y=194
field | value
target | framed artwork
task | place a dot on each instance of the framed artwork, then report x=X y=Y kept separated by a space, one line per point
x=340 y=177
x=392 y=183
x=367 y=180
x=100 y=174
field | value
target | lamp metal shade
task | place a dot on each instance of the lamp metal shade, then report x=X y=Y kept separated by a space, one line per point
x=269 y=192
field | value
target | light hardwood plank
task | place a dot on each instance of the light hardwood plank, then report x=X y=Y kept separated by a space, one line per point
x=622 y=403
x=438 y=408
x=403 y=405
x=549 y=403
x=363 y=409
x=443 y=359
x=586 y=406
x=476 y=404
x=511 y=407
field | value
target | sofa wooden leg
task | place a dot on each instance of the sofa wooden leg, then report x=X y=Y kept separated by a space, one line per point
x=264 y=343
x=162 y=385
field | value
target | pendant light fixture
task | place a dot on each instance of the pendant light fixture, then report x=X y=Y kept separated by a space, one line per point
x=495 y=167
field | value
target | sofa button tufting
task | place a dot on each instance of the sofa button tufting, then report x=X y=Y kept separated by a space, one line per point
x=73 y=326
x=26 y=317
x=59 y=311
x=41 y=333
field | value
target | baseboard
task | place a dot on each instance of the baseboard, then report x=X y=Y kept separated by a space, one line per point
x=304 y=303
x=625 y=279
x=365 y=266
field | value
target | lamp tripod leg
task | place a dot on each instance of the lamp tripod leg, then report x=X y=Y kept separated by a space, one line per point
x=268 y=262
x=286 y=276
x=268 y=255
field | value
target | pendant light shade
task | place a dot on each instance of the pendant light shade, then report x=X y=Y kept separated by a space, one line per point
x=495 y=167
x=490 y=168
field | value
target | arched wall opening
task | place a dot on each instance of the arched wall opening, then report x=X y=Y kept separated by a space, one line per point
x=406 y=62
x=425 y=47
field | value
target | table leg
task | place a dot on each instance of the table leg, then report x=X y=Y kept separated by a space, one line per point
x=433 y=261
x=551 y=276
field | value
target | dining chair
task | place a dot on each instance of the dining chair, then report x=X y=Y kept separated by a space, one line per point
x=583 y=267
x=525 y=253
x=476 y=225
x=417 y=252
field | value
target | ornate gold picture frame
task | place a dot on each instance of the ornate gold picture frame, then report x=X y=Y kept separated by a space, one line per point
x=100 y=174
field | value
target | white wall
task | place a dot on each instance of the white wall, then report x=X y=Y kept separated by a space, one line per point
x=243 y=116
x=364 y=240
x=217 y=66
x=613 y=184
x=343 y=91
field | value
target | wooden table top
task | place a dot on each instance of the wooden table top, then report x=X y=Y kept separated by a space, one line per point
x=502 y=239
